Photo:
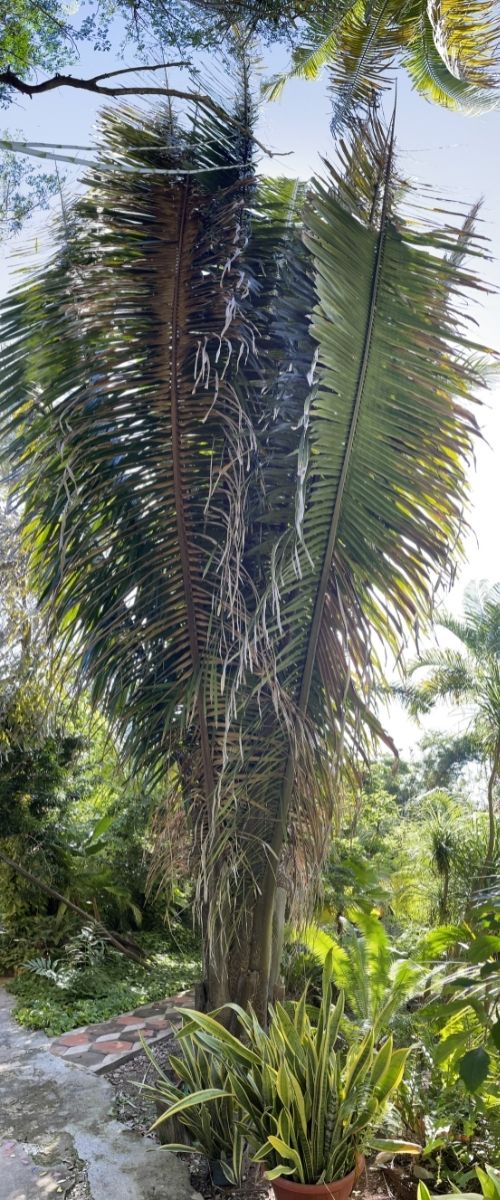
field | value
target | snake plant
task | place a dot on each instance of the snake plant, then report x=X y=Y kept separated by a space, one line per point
x=213 y=1128
x=308 y=1105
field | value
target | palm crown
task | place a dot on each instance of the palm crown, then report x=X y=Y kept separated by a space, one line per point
x=239 y=413
x=449 y=49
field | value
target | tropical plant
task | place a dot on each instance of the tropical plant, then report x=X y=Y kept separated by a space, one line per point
x=254 y=423
x=308 y=1106
x=213 y=1129
x=450 y=51
x=375 y=980
x=467 y=675
x=466 y=1014
x=456 y=1131
x=489 y=1180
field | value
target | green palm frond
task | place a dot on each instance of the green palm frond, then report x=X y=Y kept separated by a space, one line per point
x=451 y=676
x=371 y=423
x=239 y=426
x=452 y=55
x=471 y=673
x=319 y=47
x=366 y=53
x=450 y=50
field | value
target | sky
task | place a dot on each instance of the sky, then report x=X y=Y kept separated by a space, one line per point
x=457 y=155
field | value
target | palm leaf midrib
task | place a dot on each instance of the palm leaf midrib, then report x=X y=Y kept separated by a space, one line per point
x=174 y=368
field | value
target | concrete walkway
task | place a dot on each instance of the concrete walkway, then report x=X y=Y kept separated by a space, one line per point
x=57 y=1137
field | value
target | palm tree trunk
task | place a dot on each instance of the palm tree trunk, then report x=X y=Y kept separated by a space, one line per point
x=240 y=971
x=443 y=903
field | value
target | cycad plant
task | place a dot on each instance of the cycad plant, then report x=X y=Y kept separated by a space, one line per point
x=239 y=413
x=375 y=981
x=450 y=50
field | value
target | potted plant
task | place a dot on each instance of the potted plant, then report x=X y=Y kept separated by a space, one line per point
x=308 y=1103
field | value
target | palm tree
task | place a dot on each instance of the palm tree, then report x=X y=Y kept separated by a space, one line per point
x=239 y=414
x=449 y=49
x=469 y=677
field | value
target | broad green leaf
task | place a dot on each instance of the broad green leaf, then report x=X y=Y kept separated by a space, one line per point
x=473 y=1068
x=201 y=1097
x=395 y=1146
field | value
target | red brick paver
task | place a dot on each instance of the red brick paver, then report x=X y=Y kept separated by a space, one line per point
x=103 y=1046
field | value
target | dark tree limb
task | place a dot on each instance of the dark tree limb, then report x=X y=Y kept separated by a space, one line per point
x=8 y=78
x=126 y=947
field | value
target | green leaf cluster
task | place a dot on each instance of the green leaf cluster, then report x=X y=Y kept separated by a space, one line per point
x=308 y=1106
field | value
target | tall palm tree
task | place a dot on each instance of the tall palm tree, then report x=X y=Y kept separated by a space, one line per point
x=449 y=48
x=468 y=676
x=239 y=414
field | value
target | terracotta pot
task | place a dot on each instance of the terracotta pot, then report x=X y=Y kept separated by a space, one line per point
x=286 y=1189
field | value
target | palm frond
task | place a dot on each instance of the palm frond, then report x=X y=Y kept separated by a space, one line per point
x=448 y=59
x=367 y=51
x=319 y=48
x=123 y=405
x=240 y=429
x=450 y=676
x=379 y=504
x=450 y=50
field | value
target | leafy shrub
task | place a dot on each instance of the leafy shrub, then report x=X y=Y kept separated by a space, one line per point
x=212 y=1129
x=308 y=1106
x=301 y=969
x=105 y=990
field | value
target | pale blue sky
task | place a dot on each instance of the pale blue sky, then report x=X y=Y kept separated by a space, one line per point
x=458 y=156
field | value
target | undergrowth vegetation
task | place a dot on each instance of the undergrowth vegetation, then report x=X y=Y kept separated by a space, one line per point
x=56 y=997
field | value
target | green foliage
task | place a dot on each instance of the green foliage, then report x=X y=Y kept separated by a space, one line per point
x=467 y=675
x=34 y=35
x=48 y=37
x=301 y=968
x=457 y=1130
x=489 y=1180
x=375 y=980
x=308 y=1107
x=466 y=1014
x=213 y=1129
x=138 y=591
x=105 y=989
x=24 y=190
x=450 y=53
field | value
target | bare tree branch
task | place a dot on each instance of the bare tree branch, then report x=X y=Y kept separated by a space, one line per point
x=8 y=78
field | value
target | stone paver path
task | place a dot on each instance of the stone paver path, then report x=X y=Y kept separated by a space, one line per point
x=100 y=1047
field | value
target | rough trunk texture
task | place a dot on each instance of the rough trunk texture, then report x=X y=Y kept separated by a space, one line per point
x=247 y=970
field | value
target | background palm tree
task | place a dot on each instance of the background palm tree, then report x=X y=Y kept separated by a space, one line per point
x=239 y=414
x=449 y=49
x=469 y=677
